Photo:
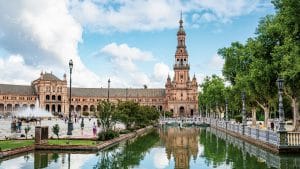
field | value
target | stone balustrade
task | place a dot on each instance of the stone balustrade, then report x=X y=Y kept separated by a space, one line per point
x=264 y=135
x=293 y=138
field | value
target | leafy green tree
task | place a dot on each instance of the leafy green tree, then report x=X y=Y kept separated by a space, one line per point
x=287 y=51
x=127 y=112
x=213 y=94
x=106 y=114
x=55 y=130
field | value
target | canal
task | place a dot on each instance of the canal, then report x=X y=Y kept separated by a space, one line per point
x=171 y=148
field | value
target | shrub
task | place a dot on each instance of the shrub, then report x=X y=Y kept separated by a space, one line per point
x=238 y=118
x=55 y=130
x=110 y=134
x=85 y=113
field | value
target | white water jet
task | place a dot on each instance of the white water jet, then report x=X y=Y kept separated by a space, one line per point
x=36 y=112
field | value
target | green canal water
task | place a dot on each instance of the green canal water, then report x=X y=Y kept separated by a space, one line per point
x=171 y=148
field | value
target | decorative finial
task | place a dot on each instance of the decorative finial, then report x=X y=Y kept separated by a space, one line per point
x=180 y=21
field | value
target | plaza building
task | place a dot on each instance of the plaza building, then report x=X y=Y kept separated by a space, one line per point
x=179 y=96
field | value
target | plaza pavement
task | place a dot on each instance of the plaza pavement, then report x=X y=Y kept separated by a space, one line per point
x=87 y=132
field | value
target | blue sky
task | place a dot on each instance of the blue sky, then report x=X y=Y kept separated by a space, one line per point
x=131 y=42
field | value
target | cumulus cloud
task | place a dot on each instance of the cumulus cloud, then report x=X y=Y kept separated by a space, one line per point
x=45 y=35
x=217 y=62
x=14 y=70
x=124 y=56
x=161 y=71
x=144 y=15
x=126 y=15
x=125 y=59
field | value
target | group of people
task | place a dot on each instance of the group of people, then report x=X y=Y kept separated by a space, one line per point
x=17 y=125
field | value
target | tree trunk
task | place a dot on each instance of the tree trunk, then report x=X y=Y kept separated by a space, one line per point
x=267 y=113
x=253 y=110
x=265 y=107
x=295 y=106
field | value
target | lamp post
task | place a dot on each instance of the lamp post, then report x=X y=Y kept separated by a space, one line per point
x=282 y=131
x=108 y=89
x=226 y=109
x=243 y=112
x=281 y=111
x=226 y=112
x=70 y=124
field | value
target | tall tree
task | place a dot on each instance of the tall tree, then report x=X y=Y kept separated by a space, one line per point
x=106 y=113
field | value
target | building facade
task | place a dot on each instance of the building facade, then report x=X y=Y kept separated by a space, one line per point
x=179 y=96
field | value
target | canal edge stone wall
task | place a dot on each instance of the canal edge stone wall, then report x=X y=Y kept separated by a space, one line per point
x=261 y=144
x=101 y=146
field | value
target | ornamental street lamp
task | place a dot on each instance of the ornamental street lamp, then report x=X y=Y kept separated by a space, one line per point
x=70 y=124
x=226 y=109
x=108 y=89
x=281 y=111
x=243 y=112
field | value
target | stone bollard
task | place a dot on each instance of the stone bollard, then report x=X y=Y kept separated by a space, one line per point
x=41 y=134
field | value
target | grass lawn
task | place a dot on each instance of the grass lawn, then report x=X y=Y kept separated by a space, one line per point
x=12 y=144
x=72 y=142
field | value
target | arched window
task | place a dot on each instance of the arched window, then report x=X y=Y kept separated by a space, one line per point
x=59 y=97
x=47 y=97
x=53 y=97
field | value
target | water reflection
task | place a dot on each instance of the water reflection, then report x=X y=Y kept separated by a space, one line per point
x=182 y=144
x=165 y=148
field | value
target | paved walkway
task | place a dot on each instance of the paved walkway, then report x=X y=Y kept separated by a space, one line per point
x=87 y=132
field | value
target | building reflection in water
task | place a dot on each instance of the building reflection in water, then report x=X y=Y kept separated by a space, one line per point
x=182 y=144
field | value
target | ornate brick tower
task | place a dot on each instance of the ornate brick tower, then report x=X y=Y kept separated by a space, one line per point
x=181 y=92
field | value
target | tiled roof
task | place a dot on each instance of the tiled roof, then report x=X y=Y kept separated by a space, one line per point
x=117 y=92
x=16 y=89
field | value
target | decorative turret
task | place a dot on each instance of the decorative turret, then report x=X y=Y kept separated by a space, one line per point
x=168 y=84
x=194 y=81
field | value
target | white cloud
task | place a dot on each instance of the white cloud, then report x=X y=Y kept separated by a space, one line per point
x=208 y=17
x=144 y=15
x=160 y=159
x=161 y=72
x=123 y=56
x=13 y=70
x=126 y=59
x=45 y=35
x=217 y=62
x=225 y=10
x=126 y=15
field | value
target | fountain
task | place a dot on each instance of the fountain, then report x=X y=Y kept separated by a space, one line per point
x=34 y=113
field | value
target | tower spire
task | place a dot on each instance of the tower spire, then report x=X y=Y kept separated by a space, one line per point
x=180 y=21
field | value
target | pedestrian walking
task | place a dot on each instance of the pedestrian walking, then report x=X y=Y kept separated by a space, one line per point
x=94 y=129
